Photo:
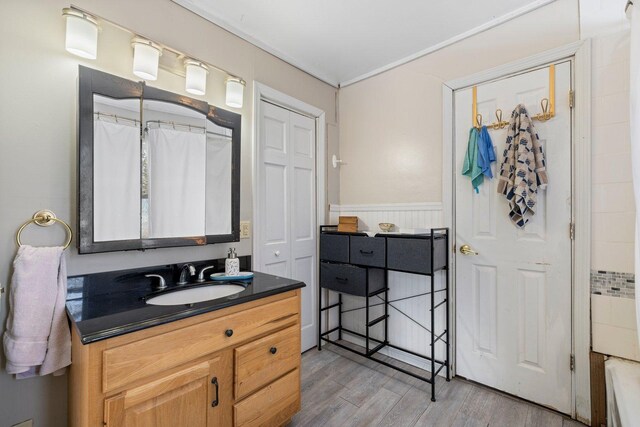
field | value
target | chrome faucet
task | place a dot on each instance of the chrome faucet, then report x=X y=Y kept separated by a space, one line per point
x=184 y=278
x=201 y=278
x=159 y=284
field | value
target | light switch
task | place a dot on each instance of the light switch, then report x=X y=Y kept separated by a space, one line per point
x=245 y=229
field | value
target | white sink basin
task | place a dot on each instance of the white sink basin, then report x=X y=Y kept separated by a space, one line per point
x=193 y=295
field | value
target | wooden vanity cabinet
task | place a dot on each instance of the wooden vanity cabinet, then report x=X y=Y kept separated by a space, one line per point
x=189 y=397
x=192 y=372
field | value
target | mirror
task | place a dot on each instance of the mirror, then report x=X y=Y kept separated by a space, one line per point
x=157 y=169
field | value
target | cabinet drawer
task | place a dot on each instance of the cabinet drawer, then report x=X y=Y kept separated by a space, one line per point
x=271 y=406
x=130 y=362
x=350 y=279
x=365 y=250
x=334 y=247
x=260 y=362
x=414 y=255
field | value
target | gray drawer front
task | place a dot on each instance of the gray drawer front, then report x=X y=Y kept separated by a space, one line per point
x=414 y=255
x=334 y=247
x=368 y=251
x=350 y=279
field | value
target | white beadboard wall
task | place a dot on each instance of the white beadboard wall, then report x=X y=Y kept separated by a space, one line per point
x=405 y=215
x=403 y=332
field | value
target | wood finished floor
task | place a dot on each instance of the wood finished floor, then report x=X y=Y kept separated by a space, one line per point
x=342 y=389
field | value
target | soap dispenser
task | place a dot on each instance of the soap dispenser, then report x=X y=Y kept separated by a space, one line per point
x=232 y=263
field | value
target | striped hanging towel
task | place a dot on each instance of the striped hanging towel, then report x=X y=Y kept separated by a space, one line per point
x=523 y=168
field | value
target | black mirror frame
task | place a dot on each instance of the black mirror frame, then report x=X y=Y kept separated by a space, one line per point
x=97 y=82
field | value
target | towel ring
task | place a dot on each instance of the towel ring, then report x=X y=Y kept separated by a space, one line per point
x=45 y=218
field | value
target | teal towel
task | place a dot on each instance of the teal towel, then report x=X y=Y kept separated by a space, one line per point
x=470 y=167
x=486 y=153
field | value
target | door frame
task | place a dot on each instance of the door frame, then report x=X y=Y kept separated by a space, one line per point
x=580 y=53
x=262 y=92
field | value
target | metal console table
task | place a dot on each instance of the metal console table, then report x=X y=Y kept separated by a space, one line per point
x=355 y=264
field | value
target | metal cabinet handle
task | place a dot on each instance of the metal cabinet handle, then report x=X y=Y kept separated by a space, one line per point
x=273 y=350
x=366 y=252
x=342 y=279
x=215 y=402
x=228 y=332
x=277 y=253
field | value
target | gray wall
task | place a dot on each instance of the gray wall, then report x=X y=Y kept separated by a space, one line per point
x=38 y=139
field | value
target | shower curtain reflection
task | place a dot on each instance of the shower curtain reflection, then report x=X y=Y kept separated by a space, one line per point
x=177 y=171
x=116 y=180
x=218 y=200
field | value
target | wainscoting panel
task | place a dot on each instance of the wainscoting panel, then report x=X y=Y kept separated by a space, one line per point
x=410 y=319
x=403 y=215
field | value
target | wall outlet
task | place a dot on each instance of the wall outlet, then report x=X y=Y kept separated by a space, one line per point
x=245 y=229
x=28 y=423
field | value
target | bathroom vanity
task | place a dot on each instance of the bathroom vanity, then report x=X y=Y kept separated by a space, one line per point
x=233 y=361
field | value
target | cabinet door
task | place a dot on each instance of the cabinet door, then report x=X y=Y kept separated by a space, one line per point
x=182 y=398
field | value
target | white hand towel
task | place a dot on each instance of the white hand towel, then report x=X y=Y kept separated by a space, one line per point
x=37 y=339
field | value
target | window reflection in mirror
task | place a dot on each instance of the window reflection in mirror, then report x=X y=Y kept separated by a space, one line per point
x=116 y=179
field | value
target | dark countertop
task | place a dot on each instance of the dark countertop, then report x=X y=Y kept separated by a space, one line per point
x=105 y=305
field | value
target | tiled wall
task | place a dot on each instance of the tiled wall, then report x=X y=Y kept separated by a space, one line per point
x=612 y=204
x=613 y=326
x=609 y=283
x=613 y=313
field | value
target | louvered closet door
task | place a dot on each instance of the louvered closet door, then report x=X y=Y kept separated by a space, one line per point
x=513 y=300
x=287 y=204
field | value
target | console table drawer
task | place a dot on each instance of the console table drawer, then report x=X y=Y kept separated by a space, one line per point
x=334 y=247
x=349 y=279
x=414 y=255
x=368 y=251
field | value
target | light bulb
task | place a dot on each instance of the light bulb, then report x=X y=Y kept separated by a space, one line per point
x=196 y=81
x=235 y=92
x=82 y=33
x=146 y=56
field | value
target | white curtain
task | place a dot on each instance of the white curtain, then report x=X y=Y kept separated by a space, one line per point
x=633 y=13
x=116 y=181
x=177 y=162
x=218 y=198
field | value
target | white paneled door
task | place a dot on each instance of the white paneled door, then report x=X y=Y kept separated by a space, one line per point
x=287 y=204
x=513 y=299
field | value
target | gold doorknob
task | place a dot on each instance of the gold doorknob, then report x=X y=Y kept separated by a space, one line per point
x=466 y=250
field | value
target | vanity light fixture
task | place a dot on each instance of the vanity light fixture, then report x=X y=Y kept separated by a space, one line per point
x=146 y=55
x=235 y=91
x=196 y=80
x=82 y=33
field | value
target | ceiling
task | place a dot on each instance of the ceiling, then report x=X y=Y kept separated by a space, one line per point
x=343 y=41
